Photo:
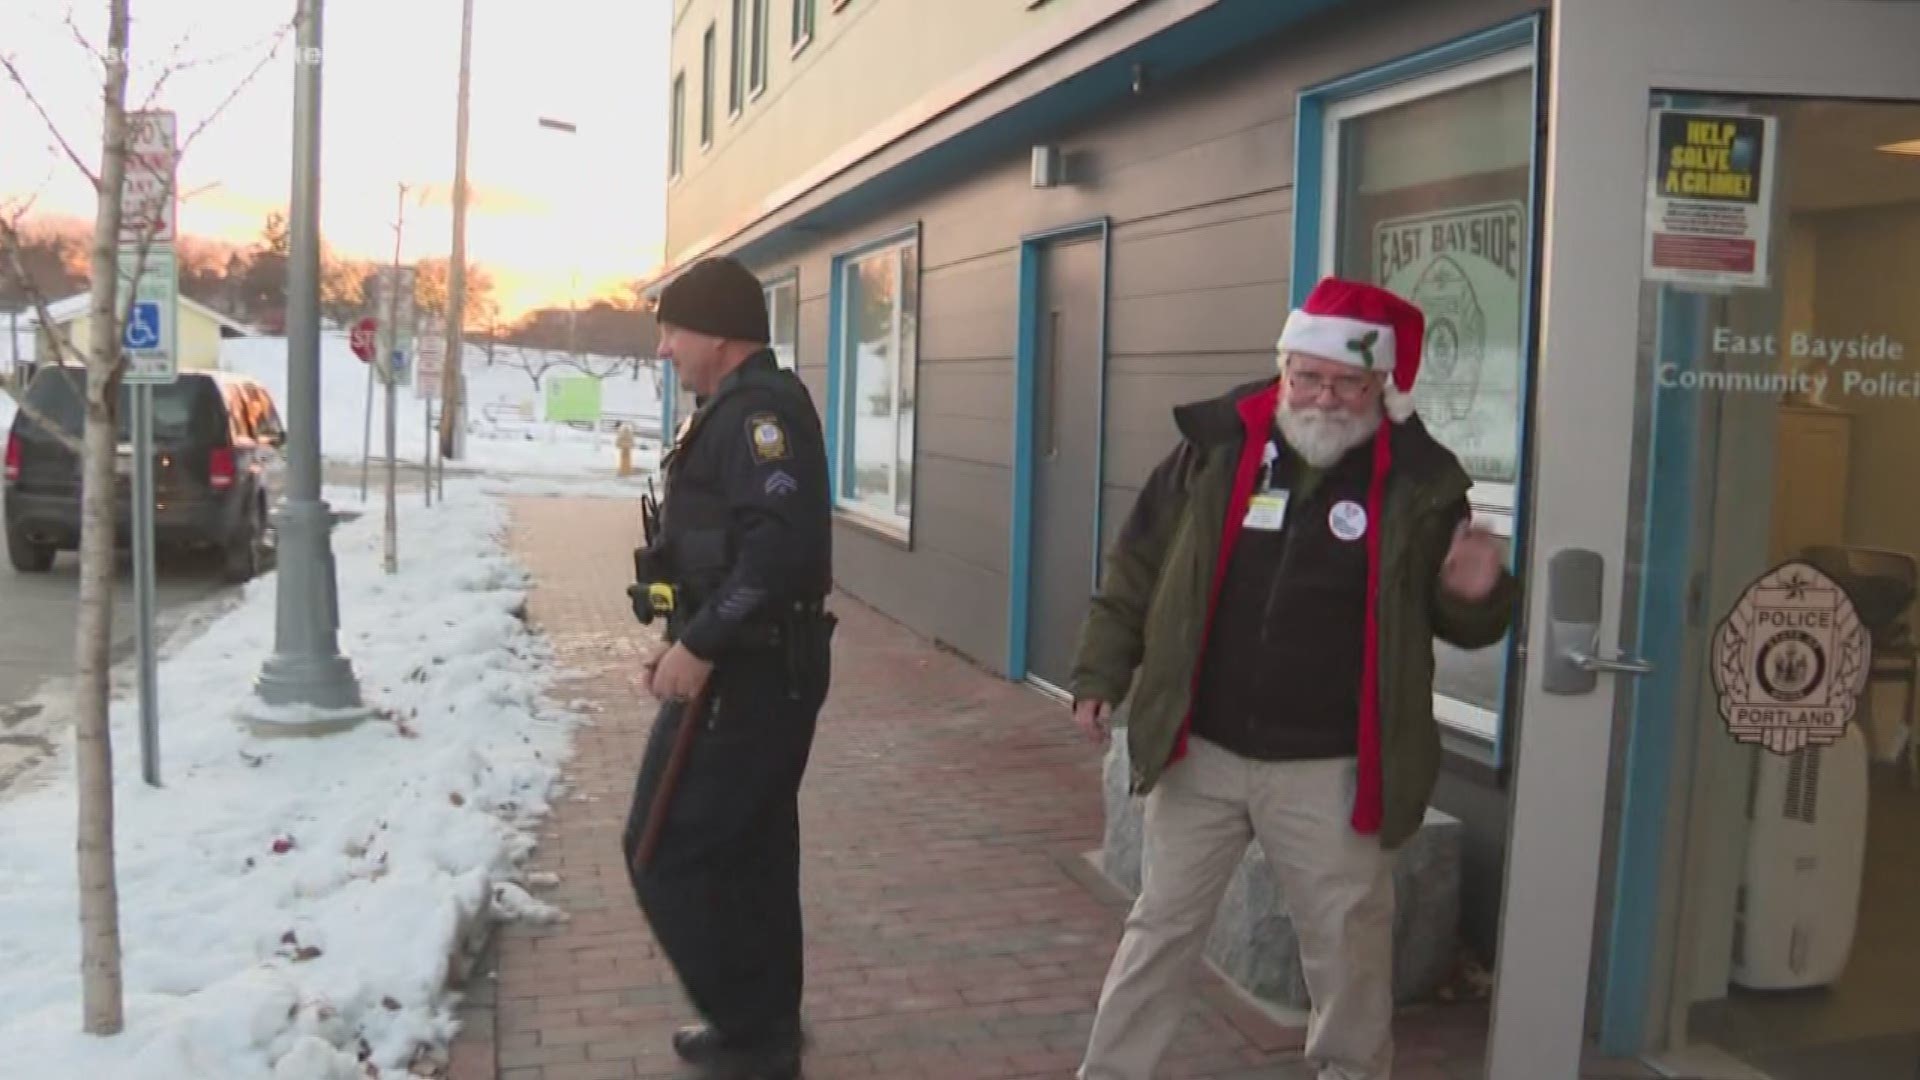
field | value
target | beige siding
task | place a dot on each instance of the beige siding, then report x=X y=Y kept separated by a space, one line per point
x=868 y=61
x=197 y=338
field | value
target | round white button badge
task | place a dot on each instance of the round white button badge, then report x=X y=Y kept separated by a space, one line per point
x=1348 y=520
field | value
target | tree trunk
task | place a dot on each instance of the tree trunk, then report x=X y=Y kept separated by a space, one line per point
x=99 y=892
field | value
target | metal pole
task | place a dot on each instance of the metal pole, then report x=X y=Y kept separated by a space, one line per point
x=453 y=392
x=392 y=548
x=426 y=426
x=366 y=434
x=143 y=497
x=306 y=670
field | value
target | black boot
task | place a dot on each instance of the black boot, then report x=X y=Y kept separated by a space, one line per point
x=777 y=1062
x=698 y=1043
x=703 y=1044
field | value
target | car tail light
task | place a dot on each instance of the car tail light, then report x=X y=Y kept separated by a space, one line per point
x=220 y=468
x=13 y=456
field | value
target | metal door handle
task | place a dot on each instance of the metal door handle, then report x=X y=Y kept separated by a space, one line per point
x=1620 y=665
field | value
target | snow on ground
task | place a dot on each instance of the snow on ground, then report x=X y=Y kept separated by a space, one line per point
x=7 y=409
x=504 y=432
x=289 y=904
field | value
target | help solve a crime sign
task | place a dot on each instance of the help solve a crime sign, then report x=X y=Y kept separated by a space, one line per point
x=1710 y=197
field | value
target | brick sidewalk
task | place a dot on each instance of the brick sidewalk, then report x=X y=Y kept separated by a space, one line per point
x=954 y=926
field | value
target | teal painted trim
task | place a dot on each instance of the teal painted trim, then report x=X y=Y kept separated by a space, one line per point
x=1529 y=323
x=840 y=460
x=1309 y=207
x=669 y=405
x=1025 y=378
x=835 y=300
x=1667 y=543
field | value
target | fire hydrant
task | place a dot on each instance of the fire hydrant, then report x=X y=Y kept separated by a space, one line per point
x=624 y=441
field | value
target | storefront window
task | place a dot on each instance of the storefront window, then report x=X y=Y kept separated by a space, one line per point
x=783 y=320
x=1429 y=194
x=878 y=314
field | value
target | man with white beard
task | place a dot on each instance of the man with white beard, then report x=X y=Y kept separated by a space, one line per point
x=1269 y=609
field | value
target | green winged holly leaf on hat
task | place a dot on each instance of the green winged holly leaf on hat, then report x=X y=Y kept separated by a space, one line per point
x=1364 y=346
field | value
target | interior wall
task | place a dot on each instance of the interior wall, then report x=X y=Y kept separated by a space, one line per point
x=1868 y=264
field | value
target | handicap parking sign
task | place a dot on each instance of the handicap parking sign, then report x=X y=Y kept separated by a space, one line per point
x=143 y=326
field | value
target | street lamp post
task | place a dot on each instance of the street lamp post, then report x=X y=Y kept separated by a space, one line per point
x=573 y=281
x=306 y=687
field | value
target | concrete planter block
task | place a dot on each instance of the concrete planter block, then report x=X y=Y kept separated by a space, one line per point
x=1253 y=941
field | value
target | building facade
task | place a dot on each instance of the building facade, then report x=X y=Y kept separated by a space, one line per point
x=1661 y=248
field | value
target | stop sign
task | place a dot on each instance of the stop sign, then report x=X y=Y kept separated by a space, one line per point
x=361 y=339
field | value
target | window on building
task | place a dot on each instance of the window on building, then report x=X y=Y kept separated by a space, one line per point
x=707 y=59
x=783 y=320
x=1428 y=192
x=802 y=23
x=877 y=330
x=757 y=71
x=737 y=72
x=677 y=127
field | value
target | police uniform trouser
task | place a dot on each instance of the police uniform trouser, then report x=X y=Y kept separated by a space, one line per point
x=722 y=890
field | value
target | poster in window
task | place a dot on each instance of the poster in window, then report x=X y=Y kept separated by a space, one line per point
x=1464 y=268
x=1709 y=198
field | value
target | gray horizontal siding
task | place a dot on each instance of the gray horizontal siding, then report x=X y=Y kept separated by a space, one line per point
x=1195 y=179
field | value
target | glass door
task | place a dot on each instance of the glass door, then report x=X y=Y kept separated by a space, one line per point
x=1782 y=272
x=1712 y=862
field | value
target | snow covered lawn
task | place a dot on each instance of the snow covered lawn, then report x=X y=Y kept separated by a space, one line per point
x=290 y=908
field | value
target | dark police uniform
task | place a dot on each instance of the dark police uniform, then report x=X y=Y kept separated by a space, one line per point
x=746 y=540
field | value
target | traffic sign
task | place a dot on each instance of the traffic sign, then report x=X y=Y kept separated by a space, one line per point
x=430 y=355
x=362 y=338
x=147 y=197
x=393 y=303
x=150 y=306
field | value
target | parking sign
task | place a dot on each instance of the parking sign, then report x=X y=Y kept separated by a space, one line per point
x=149 y=304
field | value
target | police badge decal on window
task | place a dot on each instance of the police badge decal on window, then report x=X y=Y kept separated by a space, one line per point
x=1790 y=662
x=768 y=438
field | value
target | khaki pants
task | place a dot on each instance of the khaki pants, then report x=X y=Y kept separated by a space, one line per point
x=1338 y=887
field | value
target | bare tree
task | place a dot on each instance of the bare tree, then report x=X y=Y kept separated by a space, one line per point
x=535 y=363
x=103 y=365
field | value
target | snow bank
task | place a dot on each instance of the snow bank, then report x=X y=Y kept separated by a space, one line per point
x=291 y=907
x=504 y=433
x=7 y=409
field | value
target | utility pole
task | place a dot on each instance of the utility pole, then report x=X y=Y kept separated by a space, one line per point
x=306 y=687
x=392 y=542
x=453 y=386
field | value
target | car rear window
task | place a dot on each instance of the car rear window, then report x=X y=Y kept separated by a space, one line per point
x=187 y=410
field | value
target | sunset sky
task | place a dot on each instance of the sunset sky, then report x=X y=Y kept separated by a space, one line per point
x=543 y=206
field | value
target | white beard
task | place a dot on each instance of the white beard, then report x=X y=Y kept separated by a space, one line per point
x=1323 y=436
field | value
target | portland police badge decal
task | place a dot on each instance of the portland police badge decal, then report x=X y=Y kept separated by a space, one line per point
x=1790 y=661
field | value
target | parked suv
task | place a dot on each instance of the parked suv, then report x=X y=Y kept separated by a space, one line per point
x=218 y=468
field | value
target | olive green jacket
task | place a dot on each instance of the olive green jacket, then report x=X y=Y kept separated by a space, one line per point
x=1144 y=635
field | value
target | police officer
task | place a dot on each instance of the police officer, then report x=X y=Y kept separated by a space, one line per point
x=745 y=546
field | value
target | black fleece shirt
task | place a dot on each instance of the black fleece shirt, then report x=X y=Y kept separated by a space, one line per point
x=1281 y=676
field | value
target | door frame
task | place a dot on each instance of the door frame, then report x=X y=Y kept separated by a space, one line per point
x=1608 y=59
x=1033 y=249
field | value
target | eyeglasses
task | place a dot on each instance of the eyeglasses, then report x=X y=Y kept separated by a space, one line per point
x=1343 y=386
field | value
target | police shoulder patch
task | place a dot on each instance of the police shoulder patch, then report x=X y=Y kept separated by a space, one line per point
x=767 y=438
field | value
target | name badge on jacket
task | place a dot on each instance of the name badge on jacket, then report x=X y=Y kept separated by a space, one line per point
x=1267 y=511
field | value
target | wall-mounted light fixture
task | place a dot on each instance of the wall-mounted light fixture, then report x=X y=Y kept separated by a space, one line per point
x=1047 y=166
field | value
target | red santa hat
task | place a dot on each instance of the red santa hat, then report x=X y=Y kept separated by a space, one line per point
x=1351 y=322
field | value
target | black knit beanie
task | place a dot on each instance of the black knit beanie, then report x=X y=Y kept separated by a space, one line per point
x=716 y=296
